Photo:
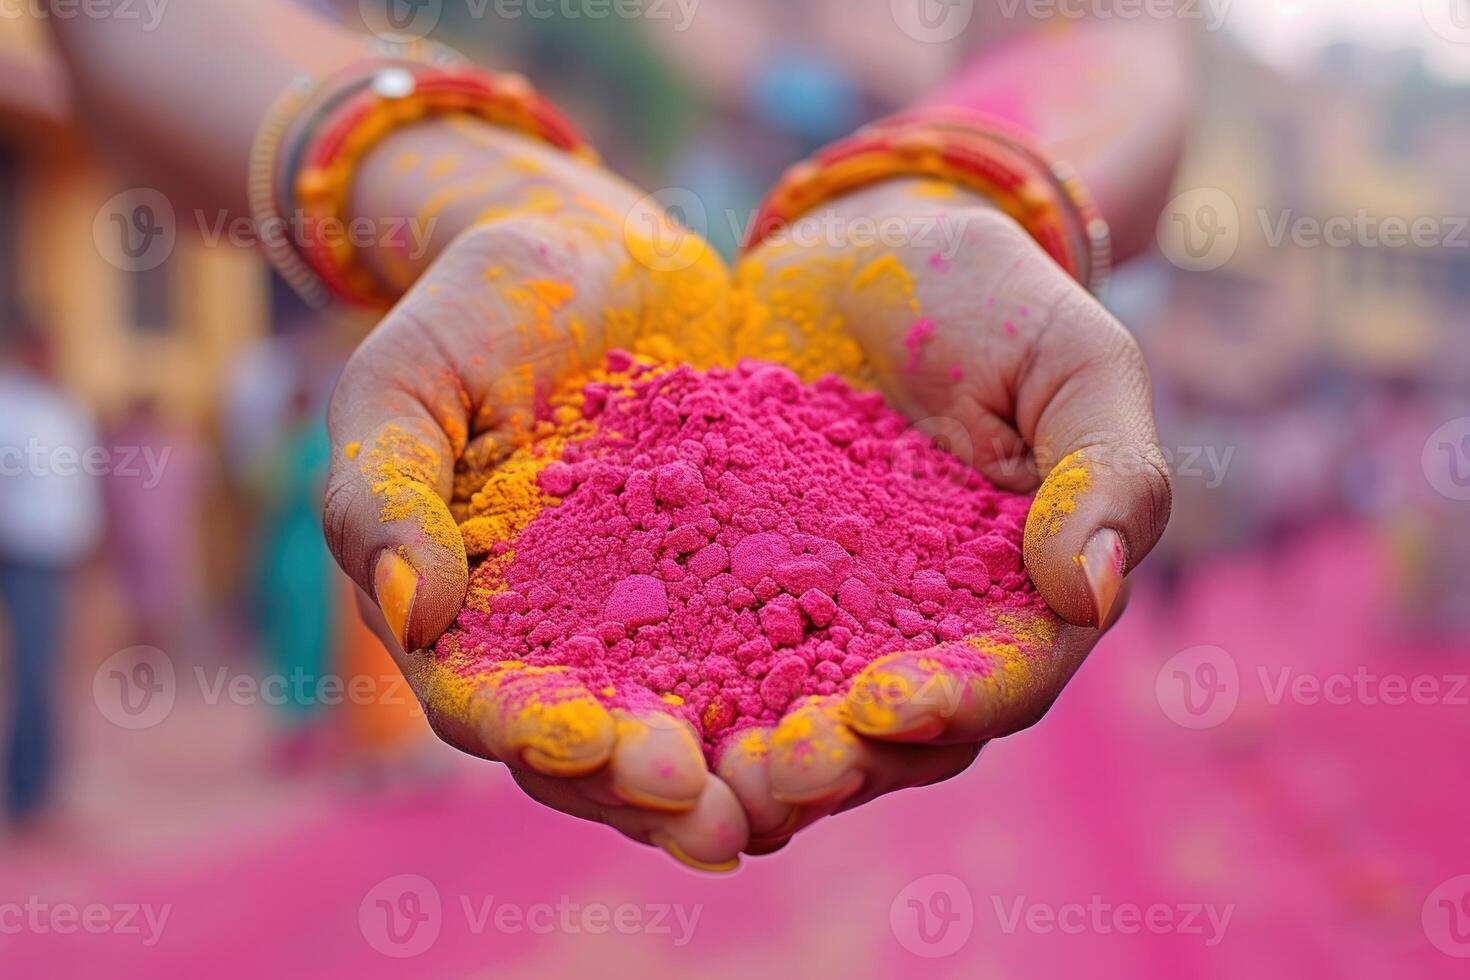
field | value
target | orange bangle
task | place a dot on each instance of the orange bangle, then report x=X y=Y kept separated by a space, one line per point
x=963 y=148
x=397 y=95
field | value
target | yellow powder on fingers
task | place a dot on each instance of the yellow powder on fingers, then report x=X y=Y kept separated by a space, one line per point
x=403 y=473
x=1057 y=498
x=889 y=281
x=789 y=316
x=800 y=739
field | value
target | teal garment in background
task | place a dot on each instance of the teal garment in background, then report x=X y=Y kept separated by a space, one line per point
x=296 y=585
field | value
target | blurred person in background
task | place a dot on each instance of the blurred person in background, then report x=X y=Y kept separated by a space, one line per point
x=51 y=519
x=296 y=581
x=155 y=524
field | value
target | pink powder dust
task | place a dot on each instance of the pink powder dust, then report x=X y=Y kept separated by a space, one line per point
x=729 y=541
x=915 y=339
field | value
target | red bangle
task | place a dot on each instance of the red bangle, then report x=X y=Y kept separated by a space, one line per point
x=992 y=158
x=395 y=96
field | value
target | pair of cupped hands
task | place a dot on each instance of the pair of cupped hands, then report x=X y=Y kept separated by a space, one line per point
x=1024 y=369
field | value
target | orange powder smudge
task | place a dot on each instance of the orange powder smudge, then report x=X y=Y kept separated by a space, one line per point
x=551 y=294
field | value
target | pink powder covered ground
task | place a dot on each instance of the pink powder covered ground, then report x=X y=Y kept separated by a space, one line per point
x=729 y=541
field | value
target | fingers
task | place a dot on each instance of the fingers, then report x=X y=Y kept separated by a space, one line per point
x=965 y=693
x=742 y=765
x=465 y=352
x=815 y=756
x=386 y=513
x=708 y=836
x=814 y=764
x=1086 y=404
x=658 y=763
x=542 y=719
x=642 y=773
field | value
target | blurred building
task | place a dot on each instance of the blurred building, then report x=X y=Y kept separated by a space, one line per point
x=168 y=332
x=1325 y=170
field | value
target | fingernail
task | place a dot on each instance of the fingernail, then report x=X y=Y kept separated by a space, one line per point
x=1102 y=562
x=897 y=700
x=396 y=584
x=785 y=828
x=672 y=848
x=830 y=795
x=651 y=801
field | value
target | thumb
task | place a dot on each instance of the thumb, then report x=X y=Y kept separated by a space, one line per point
x=1107 y=495
x=386 y=516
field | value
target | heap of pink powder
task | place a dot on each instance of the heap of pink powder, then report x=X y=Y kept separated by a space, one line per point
x=732 y=540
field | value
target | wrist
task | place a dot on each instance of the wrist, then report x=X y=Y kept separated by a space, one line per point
x=436 y=179
x=899 y=215
x=963 y=152
x=362 y=240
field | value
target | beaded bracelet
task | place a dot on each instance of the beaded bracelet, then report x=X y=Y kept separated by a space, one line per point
x=308 y=149
x=961 y=147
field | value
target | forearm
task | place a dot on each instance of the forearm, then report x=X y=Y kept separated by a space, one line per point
x=180 y=102
x=438 y=178
x=179 y=99
x=1111 y=98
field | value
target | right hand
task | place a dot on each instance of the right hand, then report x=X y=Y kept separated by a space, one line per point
x=509 y=308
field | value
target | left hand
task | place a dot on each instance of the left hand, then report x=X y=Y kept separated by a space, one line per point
x=960 y=318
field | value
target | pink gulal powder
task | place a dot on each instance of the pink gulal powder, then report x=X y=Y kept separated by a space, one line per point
x=729 y=541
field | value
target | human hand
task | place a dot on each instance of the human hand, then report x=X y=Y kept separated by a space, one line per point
x=970 y=329
x=426 y=407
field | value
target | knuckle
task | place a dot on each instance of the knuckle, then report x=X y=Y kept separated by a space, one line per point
x=339 y=512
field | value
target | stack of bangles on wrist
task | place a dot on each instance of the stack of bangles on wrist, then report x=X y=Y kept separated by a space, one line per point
x=308 y=148
x=981 y=154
